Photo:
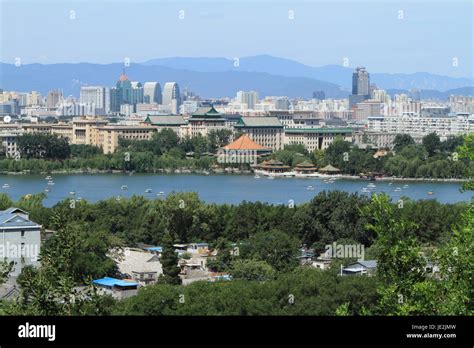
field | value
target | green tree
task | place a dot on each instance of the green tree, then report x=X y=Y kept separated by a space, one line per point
x=275 y=247
x=402 y=140
x=169 y=262
x=432 y=143
x=466 y=151
x=47 y=146
x=51 y=289
x=252 y=270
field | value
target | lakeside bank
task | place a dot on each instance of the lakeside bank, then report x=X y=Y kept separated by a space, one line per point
x=187 y=171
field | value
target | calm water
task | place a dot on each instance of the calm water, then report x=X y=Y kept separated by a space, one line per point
x=215 y=188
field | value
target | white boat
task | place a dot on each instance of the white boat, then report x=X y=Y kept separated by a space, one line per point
x=148 y=190
x=405 y=186
x=398 y=189
x=310 y=188
x=365 y=190
x=6 y=186
x=118 y=198
x=47 y=189
x=257 y=176
x=50 y=182
x=371 y=185
x=390 y=183
x=72 y=193
x=271 y=177
x=124 y=187
x=49 y=177
x=161 y=193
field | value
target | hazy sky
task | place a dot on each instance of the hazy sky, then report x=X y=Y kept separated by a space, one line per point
x=384 y=36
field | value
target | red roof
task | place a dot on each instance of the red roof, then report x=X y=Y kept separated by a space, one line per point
x=245 y=143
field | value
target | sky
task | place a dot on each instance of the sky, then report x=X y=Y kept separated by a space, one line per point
x=433 y=36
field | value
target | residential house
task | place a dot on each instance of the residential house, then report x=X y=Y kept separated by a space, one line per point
x=20 y=239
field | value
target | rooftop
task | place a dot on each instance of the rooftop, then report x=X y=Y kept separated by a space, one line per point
x=245 y=143
x=165 y=120
x=111 y=282
x=261 y=121
x=319 y=130
x=206 y=112
x=15 y=217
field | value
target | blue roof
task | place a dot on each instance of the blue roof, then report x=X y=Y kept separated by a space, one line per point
x=109 y=282
x=11 y=218
x=157 y=248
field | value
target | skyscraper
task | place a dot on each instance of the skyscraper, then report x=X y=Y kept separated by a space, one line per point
x=319 y=95
x=95 y=96
x=172 y=97
x=152 y=93
x=249 y=98
x=53 y=98
x=360 y=86
x=121 y=94
x=136 y=95
x=360 y=82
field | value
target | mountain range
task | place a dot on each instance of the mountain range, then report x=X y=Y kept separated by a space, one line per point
x=221 y=77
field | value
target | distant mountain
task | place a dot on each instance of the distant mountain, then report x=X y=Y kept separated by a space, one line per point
x=70 y=77
x=331 y=73
x=426 y=94
x=218 y=77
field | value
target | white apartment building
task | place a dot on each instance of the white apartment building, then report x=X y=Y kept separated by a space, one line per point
x=420 y=126
x=248 y=98
x=97 y=97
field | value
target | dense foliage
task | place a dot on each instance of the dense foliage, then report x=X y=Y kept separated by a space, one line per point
x=258 y=245
x=166 y=151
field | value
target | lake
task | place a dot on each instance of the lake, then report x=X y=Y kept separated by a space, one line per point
x=218 y=188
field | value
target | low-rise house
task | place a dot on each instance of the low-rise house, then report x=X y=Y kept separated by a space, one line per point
x=20 y=239
x=118 y=288
x=367 y=267
x=200 y=248
x=142 y=266
x=322 y=263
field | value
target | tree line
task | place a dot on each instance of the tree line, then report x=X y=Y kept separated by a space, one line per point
x=166 y=151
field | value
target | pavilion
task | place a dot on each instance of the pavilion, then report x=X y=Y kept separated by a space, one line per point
x=305 y=168
x=329 y=169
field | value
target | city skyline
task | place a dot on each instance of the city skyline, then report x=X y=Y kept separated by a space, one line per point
x=411 y=39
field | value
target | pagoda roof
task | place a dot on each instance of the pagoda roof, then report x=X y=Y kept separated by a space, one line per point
x=259 y=122
x=165 y=120
x=206 y=112
x=305 y=164
x=329 y=168
x=245 y=143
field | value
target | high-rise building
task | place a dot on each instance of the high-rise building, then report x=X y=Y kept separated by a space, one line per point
x=319 y=95
x=249 y=98
x=136 y=96
x=121 y=94
x=360 y=86
x=96 y=98
x=34 y=98
x=172 y=97
x=152 y=93
x=360 y=82
x=53 y=98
